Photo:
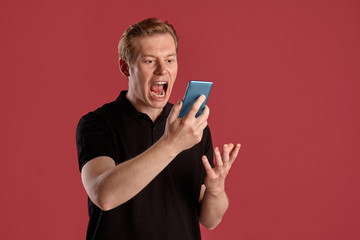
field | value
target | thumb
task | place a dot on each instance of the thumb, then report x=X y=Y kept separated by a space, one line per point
x=175 y=111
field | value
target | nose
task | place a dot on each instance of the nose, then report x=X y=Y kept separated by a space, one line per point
x=161 y=68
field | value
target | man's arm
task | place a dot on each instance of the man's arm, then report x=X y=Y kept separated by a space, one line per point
x=213 y=199
x=109 y=185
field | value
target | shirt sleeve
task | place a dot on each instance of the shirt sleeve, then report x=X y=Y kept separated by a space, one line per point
x=208 y=149
x=93 y=139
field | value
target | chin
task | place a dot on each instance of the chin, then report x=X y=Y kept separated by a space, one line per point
x=159 y=104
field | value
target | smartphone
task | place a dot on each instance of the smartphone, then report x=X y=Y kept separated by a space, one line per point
x=194 y=90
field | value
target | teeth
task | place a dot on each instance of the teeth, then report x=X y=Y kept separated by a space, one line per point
x=160 y=83
x=159 y=95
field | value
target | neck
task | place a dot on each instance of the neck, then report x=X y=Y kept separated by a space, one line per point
x=153 y=113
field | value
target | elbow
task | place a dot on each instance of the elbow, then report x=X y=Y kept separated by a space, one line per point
x=210 y=225
x=106 y=199
x=103 y=201
x=104 y=206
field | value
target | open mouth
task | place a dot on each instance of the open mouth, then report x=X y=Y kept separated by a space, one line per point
x=158 y=89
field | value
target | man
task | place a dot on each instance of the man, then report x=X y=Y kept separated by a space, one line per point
x=147 y=172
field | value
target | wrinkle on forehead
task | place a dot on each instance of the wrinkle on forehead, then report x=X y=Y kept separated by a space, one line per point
x=157 y=46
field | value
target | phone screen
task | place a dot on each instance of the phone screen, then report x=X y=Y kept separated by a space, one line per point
x=194 y=90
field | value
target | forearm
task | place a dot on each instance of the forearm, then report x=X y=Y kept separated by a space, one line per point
x=119 y=184
x=109 y=186
x=212 y=209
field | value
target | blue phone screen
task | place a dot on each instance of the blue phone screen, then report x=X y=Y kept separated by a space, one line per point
x=194 y=90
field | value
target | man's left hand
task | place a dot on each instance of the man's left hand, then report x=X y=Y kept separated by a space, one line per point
x=215 y=177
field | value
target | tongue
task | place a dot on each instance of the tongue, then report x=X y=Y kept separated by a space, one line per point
x=157 y=88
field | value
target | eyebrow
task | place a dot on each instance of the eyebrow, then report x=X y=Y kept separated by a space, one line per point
x=153 y=56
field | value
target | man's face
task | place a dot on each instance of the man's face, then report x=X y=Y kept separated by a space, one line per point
x=152 y=72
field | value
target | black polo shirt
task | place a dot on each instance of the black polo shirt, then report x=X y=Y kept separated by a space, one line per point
x=168 y=207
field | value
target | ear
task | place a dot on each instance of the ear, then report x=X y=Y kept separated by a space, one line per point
x=124 y=67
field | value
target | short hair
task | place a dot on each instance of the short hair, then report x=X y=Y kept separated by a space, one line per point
x=143 y=28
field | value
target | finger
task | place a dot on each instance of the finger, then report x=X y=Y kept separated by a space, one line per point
x=195 y=107
x=208 y=169
x=235 y=152
x=203 y=126
x=218 y=157
x=231 y=146
x=175 y=111
x=203 y=116
x=229 y=149
x=225 y=153
x=205 y=113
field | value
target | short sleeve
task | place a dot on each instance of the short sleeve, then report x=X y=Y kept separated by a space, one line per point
x=208 y=148
x=93 y=139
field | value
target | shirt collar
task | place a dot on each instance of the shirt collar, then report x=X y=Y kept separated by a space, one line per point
x=129 y=112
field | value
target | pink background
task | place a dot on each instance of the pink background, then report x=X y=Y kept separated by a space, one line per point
x=286 y=85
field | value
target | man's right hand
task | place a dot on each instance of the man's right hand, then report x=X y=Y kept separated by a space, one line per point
x=184 y=133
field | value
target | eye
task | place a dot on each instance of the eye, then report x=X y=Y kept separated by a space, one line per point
x=148 y=61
